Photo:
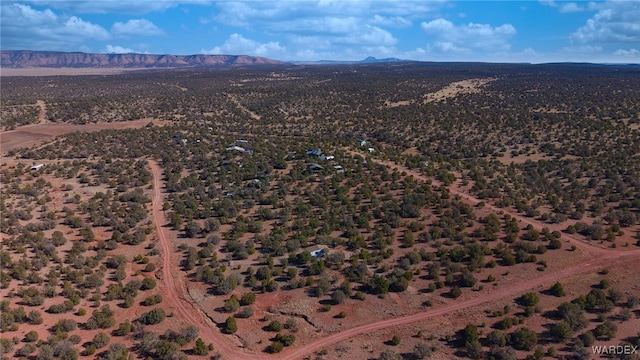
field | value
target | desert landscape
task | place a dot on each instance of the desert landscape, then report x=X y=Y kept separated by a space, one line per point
x=338 y=211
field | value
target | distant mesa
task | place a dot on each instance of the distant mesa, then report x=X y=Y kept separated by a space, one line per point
x=55 y=59
x=367 y=60
x=372 y=59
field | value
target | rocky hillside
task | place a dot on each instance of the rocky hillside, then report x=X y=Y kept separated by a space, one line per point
x=26 y=58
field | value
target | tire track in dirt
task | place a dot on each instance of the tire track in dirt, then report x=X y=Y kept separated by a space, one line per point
x=42 y=113
x=176 y=290
x=316 y=345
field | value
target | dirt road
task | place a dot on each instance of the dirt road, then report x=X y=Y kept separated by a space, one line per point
x=175 y=289
x=42 y=113
x=548 y=278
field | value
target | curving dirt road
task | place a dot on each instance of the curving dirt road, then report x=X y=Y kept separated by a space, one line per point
x=598 y=258
x=316 y=345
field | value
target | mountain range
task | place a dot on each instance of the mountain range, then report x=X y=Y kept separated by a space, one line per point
x=55 y=59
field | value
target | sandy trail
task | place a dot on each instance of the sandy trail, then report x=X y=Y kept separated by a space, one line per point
x=596 y=259
x=42 y=113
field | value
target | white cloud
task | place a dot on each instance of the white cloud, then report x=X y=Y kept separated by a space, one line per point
x=307 y=55
x=376 y=35
x=449 y=37
x=447 y=47
x=115 y=6
x=631 y=53
x=116 y=49
x=326 y=29
x=352 y=28
x=241 y=14
x=369 y=35
x=138 y=27
x=75 y=26
x=18 y=13
x=615 y=22
x=381 y=51
x=310 y=42
x=392 y=21
x=551 y=3
x=571 y=7
x=23 y=27
x=238 y=44
x=277 y=15
x=319 y=25
x=582 y=49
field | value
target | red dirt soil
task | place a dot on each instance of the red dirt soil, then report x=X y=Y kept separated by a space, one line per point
x=31 y=135
x=596 y=258
x=174 y=289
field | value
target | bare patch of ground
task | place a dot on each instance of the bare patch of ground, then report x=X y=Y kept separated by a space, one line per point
x=469 y=86
x=35 y=134
x=393 y=104
x=411 y=151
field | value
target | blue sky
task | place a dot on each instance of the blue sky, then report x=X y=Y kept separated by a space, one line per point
x=289 y=30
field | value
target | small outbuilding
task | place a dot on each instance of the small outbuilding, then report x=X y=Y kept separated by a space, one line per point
x=318 y=250
x=236 y=148
x=314 y=152
x=315 y=167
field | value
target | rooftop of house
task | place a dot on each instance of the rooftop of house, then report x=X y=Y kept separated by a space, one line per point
x=236 y=148
x=318 y=247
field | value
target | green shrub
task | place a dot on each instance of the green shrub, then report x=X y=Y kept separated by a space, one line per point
x=153 y=317
x=395 y=340
x=101 y=340
x=31 y=336
x=276 y=347
x=230 y=325
x=275 y=326
x=248 y=298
